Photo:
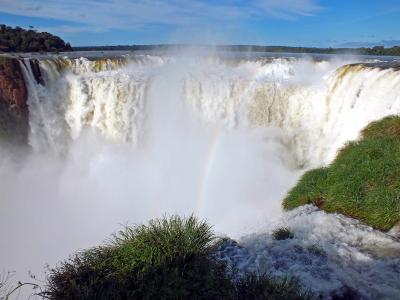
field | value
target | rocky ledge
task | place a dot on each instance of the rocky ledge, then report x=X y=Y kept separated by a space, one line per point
x=13 y=101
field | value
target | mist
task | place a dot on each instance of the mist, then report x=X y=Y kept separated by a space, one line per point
x=67 y=194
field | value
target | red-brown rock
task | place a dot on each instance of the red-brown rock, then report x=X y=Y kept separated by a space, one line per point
x=13 y=101
x=12 y=86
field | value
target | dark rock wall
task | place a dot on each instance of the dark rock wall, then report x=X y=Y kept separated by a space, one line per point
x=14 y=123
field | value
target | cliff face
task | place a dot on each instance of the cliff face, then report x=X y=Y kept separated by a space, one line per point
x=13 y=101
x=12 y=86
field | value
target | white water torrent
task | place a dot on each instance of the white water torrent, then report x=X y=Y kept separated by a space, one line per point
x=131 y=138
x=312 y=102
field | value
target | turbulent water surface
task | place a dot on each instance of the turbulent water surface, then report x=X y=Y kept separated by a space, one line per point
x=132 y=137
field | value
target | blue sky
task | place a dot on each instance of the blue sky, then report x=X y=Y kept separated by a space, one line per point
x=264 y=22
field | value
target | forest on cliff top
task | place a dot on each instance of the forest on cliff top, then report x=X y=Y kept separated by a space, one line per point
x=21 y=40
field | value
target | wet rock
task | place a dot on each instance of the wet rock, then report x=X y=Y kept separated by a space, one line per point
x=231 y=252
x=395 y=231
x=36 y=71
x=346 y=293
x=13 y=102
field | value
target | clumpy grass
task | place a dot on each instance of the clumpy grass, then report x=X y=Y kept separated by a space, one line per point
x=170 y=258
x=282 y=233
x=165 y=239
x=260 y=287
x=363 y=182
x=387 y=127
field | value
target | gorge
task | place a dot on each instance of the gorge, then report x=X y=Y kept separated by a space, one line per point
x=114 y=138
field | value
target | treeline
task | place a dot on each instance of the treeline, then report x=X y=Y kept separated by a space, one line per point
x=378 y=50
x=21 y=40
x=135 y=47
x=381 y=50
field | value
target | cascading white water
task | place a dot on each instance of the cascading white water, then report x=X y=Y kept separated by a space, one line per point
x=132 y=138
x=314 y=103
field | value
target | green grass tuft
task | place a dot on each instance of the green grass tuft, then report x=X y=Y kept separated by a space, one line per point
x=363 y=182
x=163 y=240
x=387 y=127
x=170 y=258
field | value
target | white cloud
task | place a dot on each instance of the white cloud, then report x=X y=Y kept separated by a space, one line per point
x=288 y=9
x=96 y=15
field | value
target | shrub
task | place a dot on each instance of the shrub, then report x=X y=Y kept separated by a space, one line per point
x=166 y=259
x=363 y=181
x=165 y=239
x=169 y=258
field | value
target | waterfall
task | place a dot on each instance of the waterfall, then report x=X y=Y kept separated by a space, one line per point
x=128 y=138
x=318 y=105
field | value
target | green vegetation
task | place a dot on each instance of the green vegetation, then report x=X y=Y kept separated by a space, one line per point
x=378 y=50
x=282 y=234
x=20 y=40
x=364 y=180
x=167 y=259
